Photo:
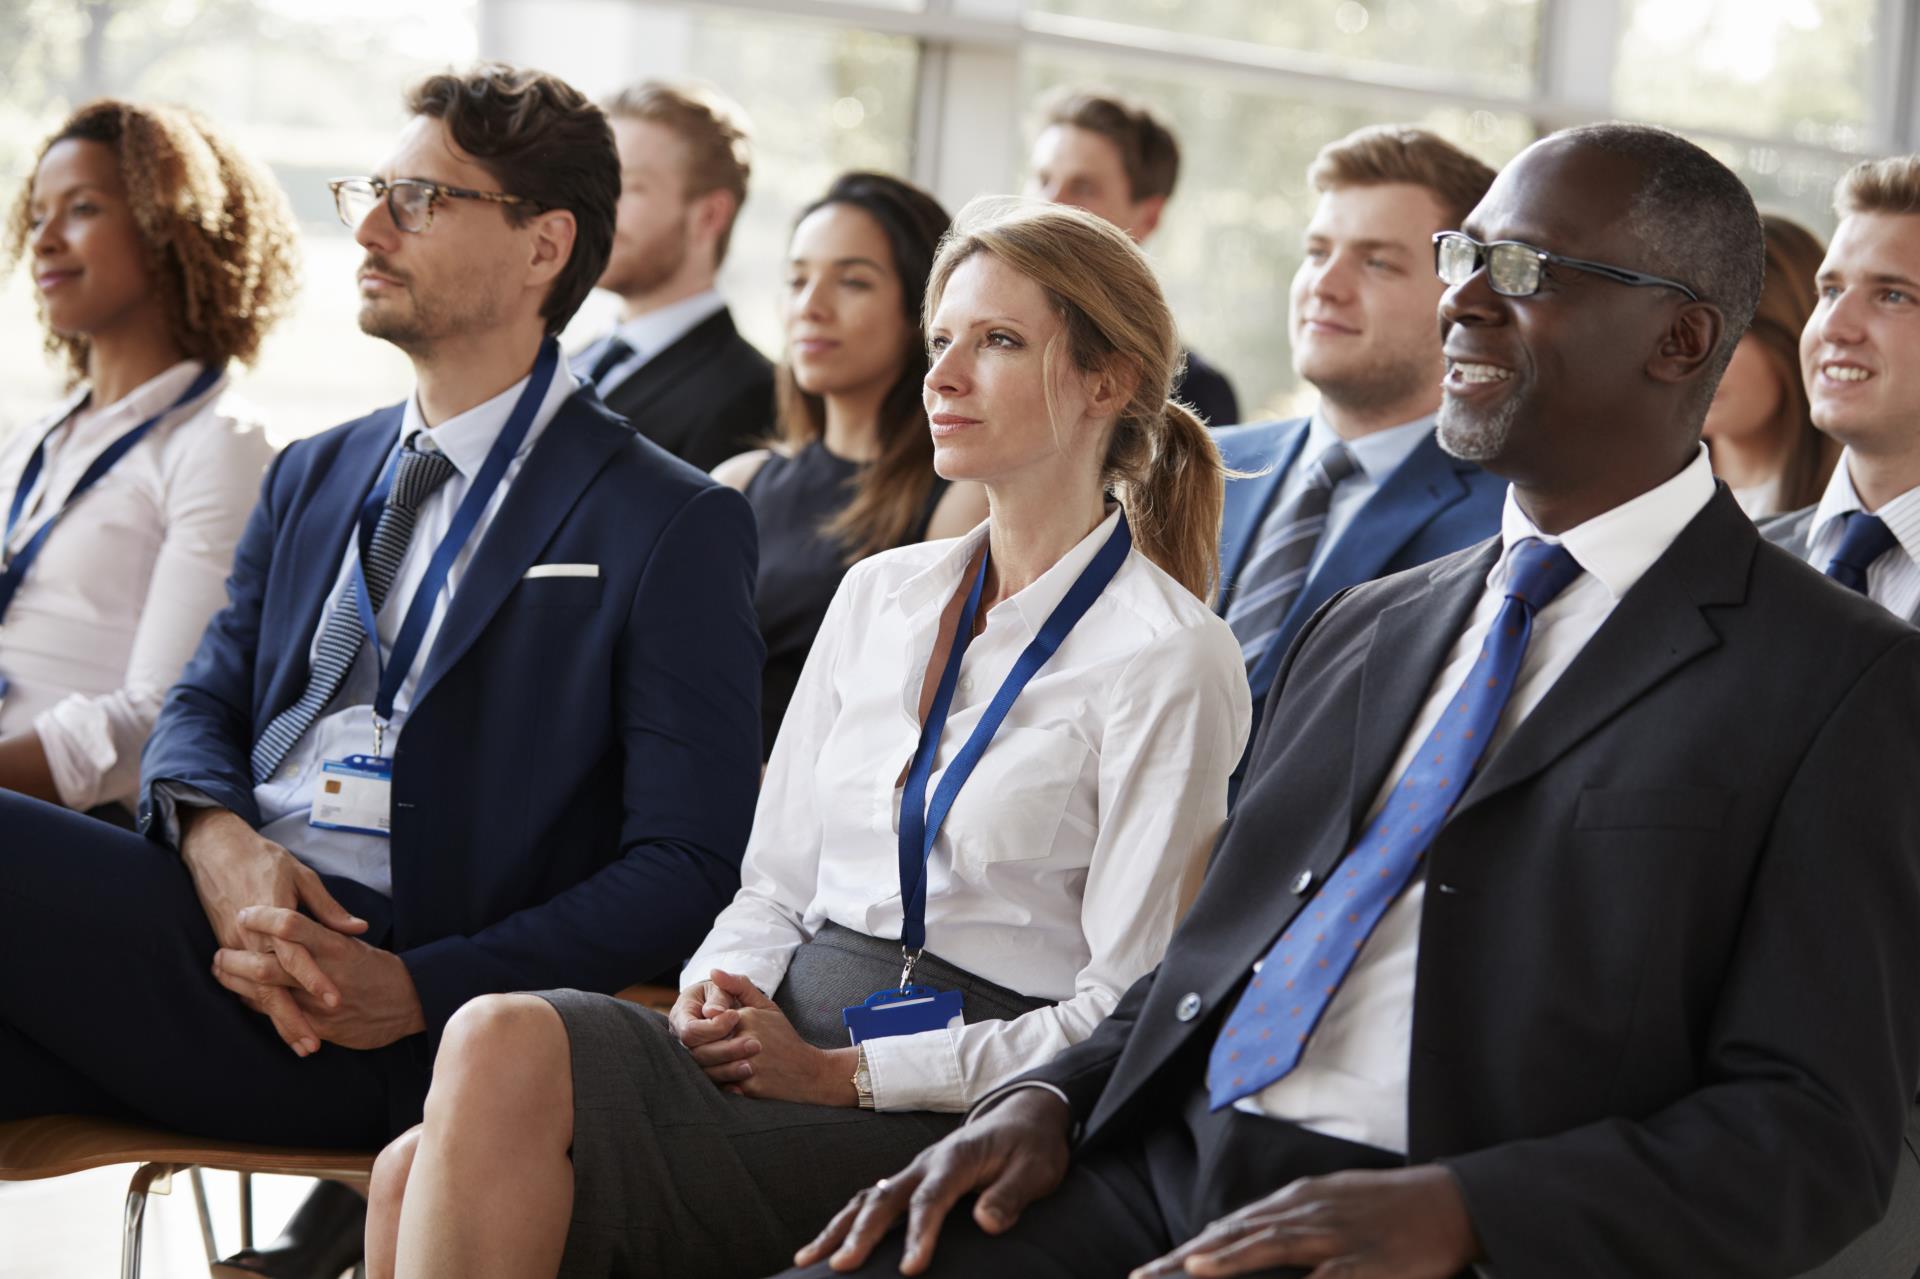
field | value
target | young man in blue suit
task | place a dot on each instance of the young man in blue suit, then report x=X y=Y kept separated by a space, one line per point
x=540 y=773
x=1360 y=489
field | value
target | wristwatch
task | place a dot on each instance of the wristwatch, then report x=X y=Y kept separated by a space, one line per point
x=863 y=1081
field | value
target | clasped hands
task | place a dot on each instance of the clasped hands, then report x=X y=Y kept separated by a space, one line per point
x=748 y=1047
x=309 y=975
x=1408 y=1223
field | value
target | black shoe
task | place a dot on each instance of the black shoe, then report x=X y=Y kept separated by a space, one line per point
x=325 y=1238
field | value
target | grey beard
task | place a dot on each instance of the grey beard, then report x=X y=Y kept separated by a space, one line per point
x=1470 y=440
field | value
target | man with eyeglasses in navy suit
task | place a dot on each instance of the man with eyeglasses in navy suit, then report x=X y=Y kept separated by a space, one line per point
x=481 y=713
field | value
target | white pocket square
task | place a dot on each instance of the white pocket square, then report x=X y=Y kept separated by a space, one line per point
x=562 y=570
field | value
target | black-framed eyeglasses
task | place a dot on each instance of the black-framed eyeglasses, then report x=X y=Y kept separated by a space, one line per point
x=1513 y=267
x=410 y=201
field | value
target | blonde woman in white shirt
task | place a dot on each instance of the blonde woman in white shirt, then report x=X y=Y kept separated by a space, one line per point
x=573 y=1133
x=158 y=255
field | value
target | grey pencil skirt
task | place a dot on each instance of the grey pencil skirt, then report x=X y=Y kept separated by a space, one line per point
x=675 y=1178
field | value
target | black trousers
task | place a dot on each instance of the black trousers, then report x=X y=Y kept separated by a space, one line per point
x=108 y=1004
x=1130 y=1200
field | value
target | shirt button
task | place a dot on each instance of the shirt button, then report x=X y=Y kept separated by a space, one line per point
x=966 y=683
x=1302 y=882
x=1189 y=1006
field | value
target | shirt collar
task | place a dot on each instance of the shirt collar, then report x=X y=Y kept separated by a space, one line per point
x=1618 y=546
x=1377 y=453
x=936 y=583
x=655 y=331
x=467 y=437
x=1901 y=515
x=150 y=397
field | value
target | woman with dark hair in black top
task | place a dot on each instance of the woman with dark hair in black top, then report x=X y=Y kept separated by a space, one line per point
x=851 y=470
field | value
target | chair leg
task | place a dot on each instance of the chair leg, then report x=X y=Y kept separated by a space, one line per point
x=206 y=1214
x=246 y=1210
x=146 y=1178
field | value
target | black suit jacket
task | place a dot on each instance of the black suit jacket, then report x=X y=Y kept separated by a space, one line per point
x=1208 y=391
x=1669 y=965
x=703 y=399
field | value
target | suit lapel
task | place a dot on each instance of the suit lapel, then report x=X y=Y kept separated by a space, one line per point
x=1410 y=644
x=670 y=367
x=1419 y=489
x=1247 y=506
x=322 y=545
x=570 y=452
x=1657 y=629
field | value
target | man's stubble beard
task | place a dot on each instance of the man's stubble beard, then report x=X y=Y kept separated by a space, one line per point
x=1379 y=383
x=654 y=265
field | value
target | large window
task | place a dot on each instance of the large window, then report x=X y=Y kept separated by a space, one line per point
x=1491 y=44
x=822 y=100
x=1230 y=242
x=312 y=96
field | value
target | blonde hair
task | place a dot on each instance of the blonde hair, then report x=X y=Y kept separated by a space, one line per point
x=714 y=131
x=219 y=236
x=1383 y=153
x=1891 y=185
x=1161 y=462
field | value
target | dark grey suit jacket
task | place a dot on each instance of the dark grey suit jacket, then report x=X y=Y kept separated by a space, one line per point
x=1667 y=1009
x=1891 y=1248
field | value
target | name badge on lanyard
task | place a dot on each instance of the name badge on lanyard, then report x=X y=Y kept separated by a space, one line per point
x=355 y=792
x=909 y=1009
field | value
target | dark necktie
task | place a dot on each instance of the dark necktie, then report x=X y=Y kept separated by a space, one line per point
x=418 y=475
x=615 y=353
x=1268 y=1029
x=1864 y=538
x=1277 y=569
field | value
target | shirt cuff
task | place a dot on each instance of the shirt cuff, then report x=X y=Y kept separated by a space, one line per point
x=168 y=799
x=758 y=968
x=77 y=738
x=916 y=1072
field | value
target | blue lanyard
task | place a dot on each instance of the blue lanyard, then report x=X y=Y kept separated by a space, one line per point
x=18 y=565
x=919 y=823
x=406 y=645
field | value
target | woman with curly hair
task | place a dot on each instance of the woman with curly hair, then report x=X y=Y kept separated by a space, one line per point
x=158 y=256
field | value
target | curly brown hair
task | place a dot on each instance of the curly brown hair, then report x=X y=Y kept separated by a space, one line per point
x=219 y=235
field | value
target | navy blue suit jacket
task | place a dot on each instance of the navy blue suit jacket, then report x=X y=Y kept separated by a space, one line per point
x=575 y=781
x=1432 y=505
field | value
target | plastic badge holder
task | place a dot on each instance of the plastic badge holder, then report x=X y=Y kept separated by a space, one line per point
x=903 y=1012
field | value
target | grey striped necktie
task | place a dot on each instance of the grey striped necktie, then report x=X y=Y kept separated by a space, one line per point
x=1277 y=569
x=420 y=473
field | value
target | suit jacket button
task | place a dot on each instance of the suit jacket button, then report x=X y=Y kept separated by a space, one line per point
x=1189 y=1007
x=1302 y=882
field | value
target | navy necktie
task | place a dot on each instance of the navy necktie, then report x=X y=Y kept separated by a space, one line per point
x=1268 y=1029
x=616 y=353
x=1864 y=538
x=416 y=478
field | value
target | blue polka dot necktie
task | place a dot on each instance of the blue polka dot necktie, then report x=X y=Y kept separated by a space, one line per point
x=1864 y=538
x=1268 y=1029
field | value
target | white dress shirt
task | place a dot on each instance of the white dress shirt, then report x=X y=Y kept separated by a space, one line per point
x=1376 y=455
x=114 y=606
x=1893 y=580
x=1352 y=1078
x=345 y=726
x=1071 y=852
x=648 y=335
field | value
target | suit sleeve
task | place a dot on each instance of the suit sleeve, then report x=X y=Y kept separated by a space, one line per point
x=1789 y=1147
x=687 y=685
x=203 y=736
